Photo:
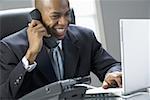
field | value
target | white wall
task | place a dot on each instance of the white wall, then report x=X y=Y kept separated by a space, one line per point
x=112 y=11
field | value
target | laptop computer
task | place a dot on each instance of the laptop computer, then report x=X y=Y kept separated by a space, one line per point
x=135 y=57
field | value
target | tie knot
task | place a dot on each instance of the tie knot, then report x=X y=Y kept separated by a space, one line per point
x=55 y=48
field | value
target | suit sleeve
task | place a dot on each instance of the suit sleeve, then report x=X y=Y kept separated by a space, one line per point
x=101 y=61
x=11 y=72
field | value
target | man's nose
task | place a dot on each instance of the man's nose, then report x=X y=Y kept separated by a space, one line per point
x=63 y=20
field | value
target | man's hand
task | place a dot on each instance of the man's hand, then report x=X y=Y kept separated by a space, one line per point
x=113 y=79
x=36 y=31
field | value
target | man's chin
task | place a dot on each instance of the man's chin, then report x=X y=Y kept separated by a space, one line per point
x=60 y=37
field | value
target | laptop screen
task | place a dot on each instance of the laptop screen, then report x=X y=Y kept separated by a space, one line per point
x=135 y=53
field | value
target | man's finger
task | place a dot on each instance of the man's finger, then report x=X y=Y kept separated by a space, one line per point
x=113 y=80
x=34 y=23
x=119 y=82
x=118 y=79
x=105 y=85
x=29 y=24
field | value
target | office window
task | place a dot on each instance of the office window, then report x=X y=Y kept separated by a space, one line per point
x=87 y=16
x=85 y=12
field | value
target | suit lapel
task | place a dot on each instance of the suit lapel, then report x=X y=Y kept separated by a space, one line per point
x=71 y=55
x=45 y=65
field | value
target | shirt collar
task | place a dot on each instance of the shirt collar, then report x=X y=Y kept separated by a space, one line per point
x=60 y=44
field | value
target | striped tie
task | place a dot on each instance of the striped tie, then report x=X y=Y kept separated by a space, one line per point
x=57 y=62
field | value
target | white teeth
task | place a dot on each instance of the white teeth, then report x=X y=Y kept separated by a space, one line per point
x=60 y=30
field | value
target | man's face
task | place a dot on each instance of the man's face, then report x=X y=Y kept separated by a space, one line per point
x=56 y=17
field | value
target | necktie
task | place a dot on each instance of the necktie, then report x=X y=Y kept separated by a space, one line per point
x=57 y=62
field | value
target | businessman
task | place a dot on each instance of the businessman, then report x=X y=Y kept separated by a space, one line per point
x=26 y=61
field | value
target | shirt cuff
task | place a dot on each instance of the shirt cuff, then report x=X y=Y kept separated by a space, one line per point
x=28 y=67
x=115 y=67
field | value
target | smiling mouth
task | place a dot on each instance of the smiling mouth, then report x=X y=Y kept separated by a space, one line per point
x=60 y=30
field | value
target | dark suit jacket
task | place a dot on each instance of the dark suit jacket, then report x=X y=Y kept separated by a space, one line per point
x=82 y=54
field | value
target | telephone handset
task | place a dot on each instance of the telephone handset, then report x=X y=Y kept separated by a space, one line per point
x=50 y=42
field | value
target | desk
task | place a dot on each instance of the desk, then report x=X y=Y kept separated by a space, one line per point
x=138 y=96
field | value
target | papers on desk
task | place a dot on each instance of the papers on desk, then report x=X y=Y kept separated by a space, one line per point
x=102 y=90
x=87 y=86
x=98 y=90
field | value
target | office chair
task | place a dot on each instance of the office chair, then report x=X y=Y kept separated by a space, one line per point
x=14 y=20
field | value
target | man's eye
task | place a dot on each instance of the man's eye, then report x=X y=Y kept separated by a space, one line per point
x=54 y=16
